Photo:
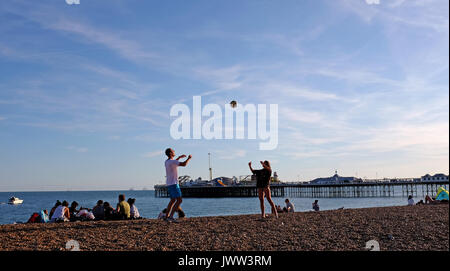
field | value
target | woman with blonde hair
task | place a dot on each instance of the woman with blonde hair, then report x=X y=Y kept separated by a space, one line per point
x=263 y=185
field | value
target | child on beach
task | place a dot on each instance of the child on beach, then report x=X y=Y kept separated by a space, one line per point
x=289 y=206
x=263 y=185
x=279 y=210
x=173 y=187
x=134 y=213
x=108 y=211
x=315 y=206
x=163 y=213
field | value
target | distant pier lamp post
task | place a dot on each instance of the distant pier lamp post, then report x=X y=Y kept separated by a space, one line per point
x=210 y=169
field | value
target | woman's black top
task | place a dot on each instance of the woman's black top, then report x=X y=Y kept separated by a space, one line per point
x=263 y=177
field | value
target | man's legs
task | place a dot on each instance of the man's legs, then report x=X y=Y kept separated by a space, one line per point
x=176 y=206
x=169 y=207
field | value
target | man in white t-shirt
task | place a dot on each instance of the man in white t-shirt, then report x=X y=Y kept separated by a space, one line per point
x=172 y=182
x=410 y=200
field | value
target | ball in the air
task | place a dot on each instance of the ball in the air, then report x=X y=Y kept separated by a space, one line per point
x=233 y=104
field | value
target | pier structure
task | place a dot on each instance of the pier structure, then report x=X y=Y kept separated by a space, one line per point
x=307 y=190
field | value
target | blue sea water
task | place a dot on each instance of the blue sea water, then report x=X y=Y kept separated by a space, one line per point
x=150 y=207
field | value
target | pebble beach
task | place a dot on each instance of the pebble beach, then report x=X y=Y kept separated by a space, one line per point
x=400 y=228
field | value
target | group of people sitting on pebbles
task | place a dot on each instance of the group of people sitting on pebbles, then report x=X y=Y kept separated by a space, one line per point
x=442 y=197
x=61 y=212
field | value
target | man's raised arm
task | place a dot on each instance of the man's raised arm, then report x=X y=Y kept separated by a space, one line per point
x=250 y=166
x=183 y=164
x=180 y=157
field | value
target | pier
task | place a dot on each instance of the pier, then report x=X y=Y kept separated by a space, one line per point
x=219 y=191
x=302 y=190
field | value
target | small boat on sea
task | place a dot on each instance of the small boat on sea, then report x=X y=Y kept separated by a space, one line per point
x=15 y=200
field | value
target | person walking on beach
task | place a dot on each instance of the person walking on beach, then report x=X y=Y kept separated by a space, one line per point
x=172 y=182
x=263 y=185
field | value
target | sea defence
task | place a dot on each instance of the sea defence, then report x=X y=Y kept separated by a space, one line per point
x=411 y=228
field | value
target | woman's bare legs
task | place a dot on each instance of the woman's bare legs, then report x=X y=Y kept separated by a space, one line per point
x=269 y=199
x=261 y=201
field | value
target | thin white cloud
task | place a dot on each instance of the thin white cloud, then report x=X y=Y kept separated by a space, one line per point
x=114 y=40
x=114 y=137
x=153 y=154
x=288 y=114
x=77 y=149
x=231 y=154
x=430 y=14
x=373 y=2
x=126 y=48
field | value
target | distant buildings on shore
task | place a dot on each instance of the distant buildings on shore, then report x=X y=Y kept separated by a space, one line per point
x=336 y=179
x=435 y=177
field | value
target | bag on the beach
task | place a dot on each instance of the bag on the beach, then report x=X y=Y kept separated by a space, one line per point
x=35 y=218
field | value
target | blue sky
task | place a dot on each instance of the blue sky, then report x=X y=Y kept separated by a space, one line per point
x=86 y=90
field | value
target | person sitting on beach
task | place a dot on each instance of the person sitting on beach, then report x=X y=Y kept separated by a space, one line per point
x=410 y=200
x=420 y=202
x=52 y=211
x=279 y=210
x=263 y=185
x=44 y=216
x=122 y=209
x=181 y=213
x=73 y=210
x=134 y=213
x=108 y=211
x=429 y=200
x=163 y=213
x=61 y=213
x=85 y=214
x=315 y=205
x=98 y=211
x=289 y=206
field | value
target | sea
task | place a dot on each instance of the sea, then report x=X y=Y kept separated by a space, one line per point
x=150 y=206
